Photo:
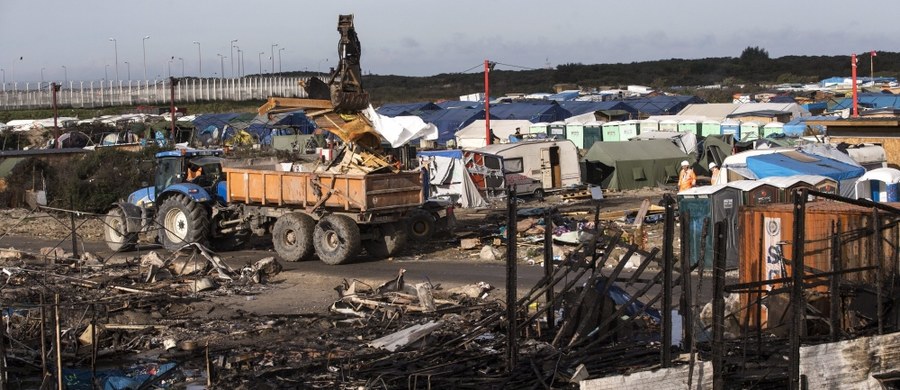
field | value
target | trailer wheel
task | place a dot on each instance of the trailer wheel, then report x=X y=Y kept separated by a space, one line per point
x=336 y=239
x=292 y=236
x=115 y=232
x=539 y=194
x=182 y=221
x=389 y=240
x=421 y=225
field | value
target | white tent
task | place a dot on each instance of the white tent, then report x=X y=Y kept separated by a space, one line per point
x=687 y=142
x=472 y=136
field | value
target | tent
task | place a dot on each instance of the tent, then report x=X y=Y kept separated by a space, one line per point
x=472 y=136
x=687 y=142
x=533 y=111
x=448 y=177
x=661 y=105
x=799 y=163
x=406 y=109
x=633 y=164
x=450 y=121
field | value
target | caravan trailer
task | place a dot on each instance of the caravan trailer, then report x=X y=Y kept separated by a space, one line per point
x=537 y=167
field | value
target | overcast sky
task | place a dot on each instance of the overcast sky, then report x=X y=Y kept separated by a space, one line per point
x=417 y=38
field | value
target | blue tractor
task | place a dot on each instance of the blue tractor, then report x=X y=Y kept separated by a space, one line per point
x=186 y=204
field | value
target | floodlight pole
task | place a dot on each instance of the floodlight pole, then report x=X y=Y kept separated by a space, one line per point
x=487 y=103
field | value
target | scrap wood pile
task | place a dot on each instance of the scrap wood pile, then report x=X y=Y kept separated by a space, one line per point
x=141 y=305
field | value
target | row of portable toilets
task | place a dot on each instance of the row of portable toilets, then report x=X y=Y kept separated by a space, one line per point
x=585 y=134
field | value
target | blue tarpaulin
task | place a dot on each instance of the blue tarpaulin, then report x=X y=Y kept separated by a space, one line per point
x=406 y=109
x=870 y=100
x=451 y=153
x=534 y=112
x=662 y=105
x=797 y=126
x=450 y=121
x=612 y=106
x=784 y=164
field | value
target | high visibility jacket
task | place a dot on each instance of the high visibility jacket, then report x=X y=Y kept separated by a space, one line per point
x=686 y=179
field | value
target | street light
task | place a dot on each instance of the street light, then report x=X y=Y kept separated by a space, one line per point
x=65 y=74
x=182 y=66
x=144 y=43
x=232 y=56
x=116 y=48
x=199 y=60
x=273 y=57
x=279 y=59
x=260 y=62
x=128 y=66
x=222 y=64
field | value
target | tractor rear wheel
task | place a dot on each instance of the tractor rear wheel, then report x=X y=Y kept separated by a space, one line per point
x=182 y=221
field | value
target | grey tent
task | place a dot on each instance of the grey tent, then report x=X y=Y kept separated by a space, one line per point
x=633 y=164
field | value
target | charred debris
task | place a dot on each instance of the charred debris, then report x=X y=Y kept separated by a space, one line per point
x=606 y=309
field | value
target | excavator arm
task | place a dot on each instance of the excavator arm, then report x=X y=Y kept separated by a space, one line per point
x=336 y=106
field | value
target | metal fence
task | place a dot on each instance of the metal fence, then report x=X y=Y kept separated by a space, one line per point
x=89 y=94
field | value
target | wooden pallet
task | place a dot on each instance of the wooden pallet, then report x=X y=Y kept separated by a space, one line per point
x=576 y=195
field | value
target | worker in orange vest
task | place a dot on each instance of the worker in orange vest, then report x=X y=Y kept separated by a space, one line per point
x=686 y=178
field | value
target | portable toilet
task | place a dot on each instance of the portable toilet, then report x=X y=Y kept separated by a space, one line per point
x=575 y=133
x=787 y=184
x=772 y=128
x=649 y=125
x=689 y=126
x=733 y=127
x=755 y=192
x=708 y=128
x=749 y=131
x=668 y=125
x=539 y=128
x=709 y=204
x=593 y=132
x=629 y=129
x=611 y=132
x=557 y=130
x=879 y=185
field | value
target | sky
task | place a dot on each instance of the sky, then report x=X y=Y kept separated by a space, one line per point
x=65 y=39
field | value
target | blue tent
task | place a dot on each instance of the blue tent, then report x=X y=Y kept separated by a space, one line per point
x=449 y=153
x=785 y=164
x=216 y=120
x=870 y=100
x=612 y=106
x=662 y=105
x=406 y=109
x=532 y=111
x=450 y=121
x=459 y=104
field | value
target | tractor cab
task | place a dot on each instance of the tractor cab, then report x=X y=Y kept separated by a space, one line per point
x=186 y=169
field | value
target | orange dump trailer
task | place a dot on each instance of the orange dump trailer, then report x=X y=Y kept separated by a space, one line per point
x=333 y=215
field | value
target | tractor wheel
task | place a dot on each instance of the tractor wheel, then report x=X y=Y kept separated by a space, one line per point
x=115 y=232
x=389 y=240
x=292 y=236
x=336 y=239
x=182 y=221
x=421 y=225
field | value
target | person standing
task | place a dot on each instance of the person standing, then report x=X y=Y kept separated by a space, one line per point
x=686 y=178
x=713 y=173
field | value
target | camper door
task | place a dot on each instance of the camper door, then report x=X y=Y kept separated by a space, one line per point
x=551 y=175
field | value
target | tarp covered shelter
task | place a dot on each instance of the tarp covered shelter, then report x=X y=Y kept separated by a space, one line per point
x=799 y=163
x=405 y=109
x=532 y=111
x=450 y=121
x=611 y=110
x=633 y=164
x=661 y=105
x=449 y=177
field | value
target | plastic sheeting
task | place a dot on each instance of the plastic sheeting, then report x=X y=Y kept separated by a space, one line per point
x=400 y=129
x=448 y=176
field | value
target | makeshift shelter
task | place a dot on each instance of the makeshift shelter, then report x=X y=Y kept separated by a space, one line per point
x=799 y=163
x=448 y=177
x=473 y=135
x=661 y=105
x=612 y=110
x=633 y=164
x=879 y=185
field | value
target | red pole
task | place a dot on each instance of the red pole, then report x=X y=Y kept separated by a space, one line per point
x=487 y=104
x=853 y=77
